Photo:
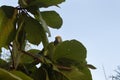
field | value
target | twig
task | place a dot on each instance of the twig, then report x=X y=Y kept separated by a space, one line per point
x=104 y=72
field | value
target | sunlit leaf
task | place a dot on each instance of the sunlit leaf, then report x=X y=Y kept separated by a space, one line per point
x=5 y=75
x=21 y=75
x=52 y=19
x=7 y=25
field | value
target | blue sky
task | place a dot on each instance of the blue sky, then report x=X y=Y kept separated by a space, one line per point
x=95 y=23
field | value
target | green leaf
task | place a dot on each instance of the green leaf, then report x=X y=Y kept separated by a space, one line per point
x=40 y=74
x=87 y=74
x=72 y=50
x=55 y=75
x=52 y=19
x=43 y=22
x=8 y=10
x=37 y=14
x=7 y=25
x=43 y=3
x=5 y=75
x=27 y=68
x=91 y=66
x=21 y=75
x=4 y=64
x=33 y=30
x=50 y=50
x=76 y=74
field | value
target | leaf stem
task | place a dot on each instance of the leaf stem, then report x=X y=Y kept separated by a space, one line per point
x=64 y=68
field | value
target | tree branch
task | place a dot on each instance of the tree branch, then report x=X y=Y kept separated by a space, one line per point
x=38 y=59
x=33 y=56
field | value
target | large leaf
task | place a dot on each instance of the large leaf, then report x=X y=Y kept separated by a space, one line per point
x=70 y=50
x=37 y=14
x=39 y=3
x=21 y=75
x=33 y=30
x=52 y=19
x=5 y=75
x=7 y=25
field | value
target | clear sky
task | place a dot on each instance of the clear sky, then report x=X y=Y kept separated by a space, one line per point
x=96 y=23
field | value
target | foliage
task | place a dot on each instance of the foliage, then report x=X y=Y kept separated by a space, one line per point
x=60 y=60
